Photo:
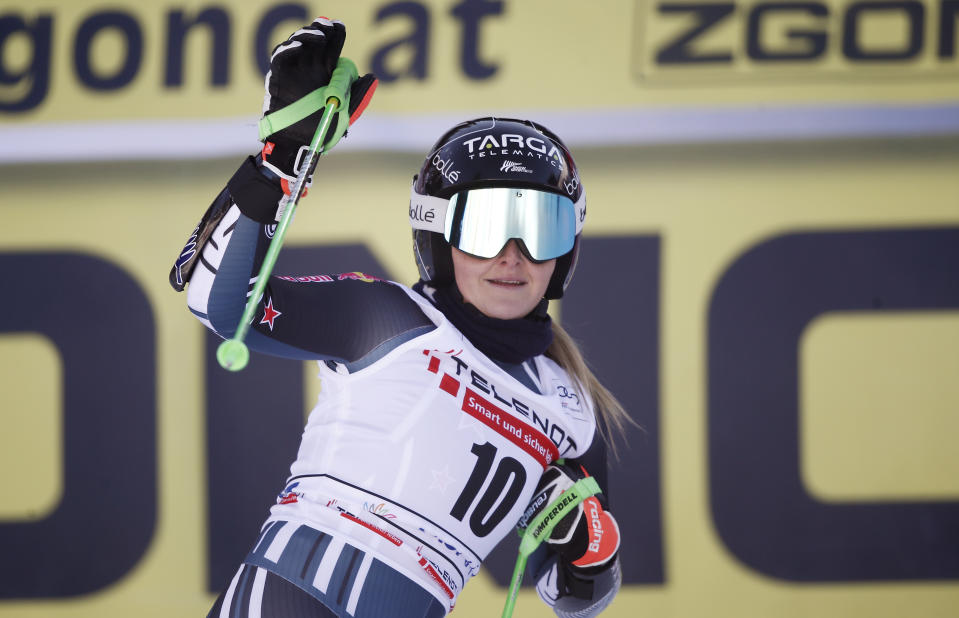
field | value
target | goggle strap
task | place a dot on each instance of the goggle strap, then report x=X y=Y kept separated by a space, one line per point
x=428 y=212
x=579 y=209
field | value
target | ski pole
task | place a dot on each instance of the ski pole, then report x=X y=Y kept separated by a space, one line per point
x=539 y=530
x=233 y=354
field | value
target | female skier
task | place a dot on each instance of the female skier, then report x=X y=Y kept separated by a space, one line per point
x=457 y=406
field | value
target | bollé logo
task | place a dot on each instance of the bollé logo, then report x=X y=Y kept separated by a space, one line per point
x=808 y=40
x=445 y=167
x=418 y=212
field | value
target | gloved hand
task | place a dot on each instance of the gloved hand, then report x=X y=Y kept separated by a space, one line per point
x=298 y=66
x=587 y=537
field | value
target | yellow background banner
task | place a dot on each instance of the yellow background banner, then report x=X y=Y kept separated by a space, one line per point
x=877 y=399
x=684 y=119
x=104 y=62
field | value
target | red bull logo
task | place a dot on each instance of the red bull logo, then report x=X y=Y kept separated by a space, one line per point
x=357 y=276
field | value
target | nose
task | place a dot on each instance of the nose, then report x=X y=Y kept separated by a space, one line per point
x=511 y=253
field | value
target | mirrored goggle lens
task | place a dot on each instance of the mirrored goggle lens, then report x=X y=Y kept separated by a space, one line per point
x=480 y=222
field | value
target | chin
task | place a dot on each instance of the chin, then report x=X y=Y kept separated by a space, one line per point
x=507 y=313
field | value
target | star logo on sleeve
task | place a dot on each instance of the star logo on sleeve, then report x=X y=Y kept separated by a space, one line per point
x=269 y=313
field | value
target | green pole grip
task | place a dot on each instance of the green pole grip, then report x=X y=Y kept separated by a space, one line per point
x=343 y=77
x=539 y=530
x=338 y=89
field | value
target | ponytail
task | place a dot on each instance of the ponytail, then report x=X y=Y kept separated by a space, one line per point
x=611 y=416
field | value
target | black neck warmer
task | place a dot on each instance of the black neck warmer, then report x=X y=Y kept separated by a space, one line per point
x=508 y=341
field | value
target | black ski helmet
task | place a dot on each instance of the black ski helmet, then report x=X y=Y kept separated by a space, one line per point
x=491 y=152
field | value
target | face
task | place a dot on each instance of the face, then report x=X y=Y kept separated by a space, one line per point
x=507 y=286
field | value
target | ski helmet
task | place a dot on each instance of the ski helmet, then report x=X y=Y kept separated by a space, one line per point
x=489 y=180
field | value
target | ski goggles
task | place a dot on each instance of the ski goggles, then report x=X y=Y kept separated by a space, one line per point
x=481 y=221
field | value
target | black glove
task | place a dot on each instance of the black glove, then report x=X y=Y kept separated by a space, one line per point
x=587 y=537
x=298 y=66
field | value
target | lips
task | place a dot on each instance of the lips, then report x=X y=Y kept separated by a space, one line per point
x=506 y=282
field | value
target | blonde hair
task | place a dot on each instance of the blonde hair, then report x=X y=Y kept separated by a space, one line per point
x=611 y=416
